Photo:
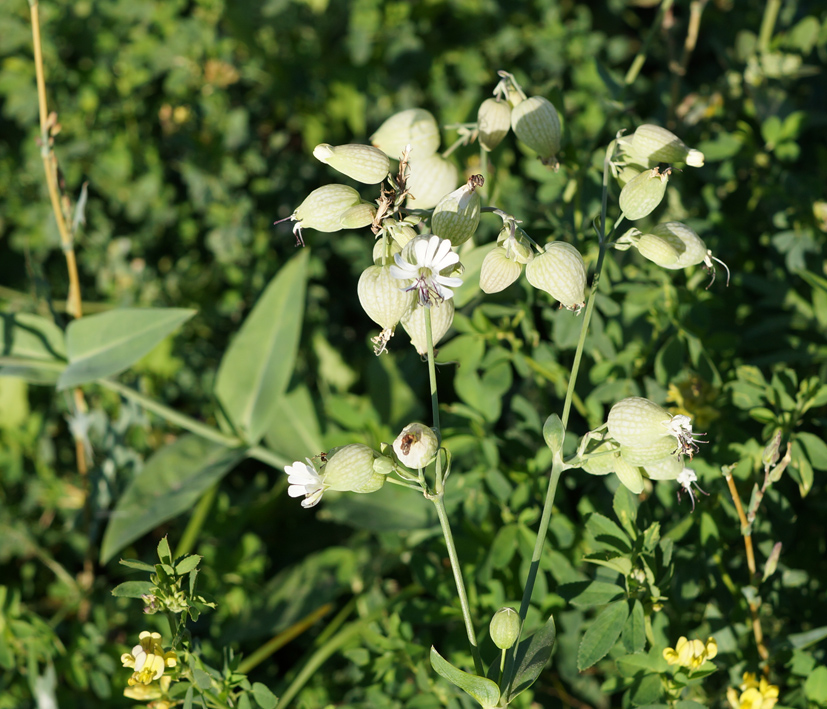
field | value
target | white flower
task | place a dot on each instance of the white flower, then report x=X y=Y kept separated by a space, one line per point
x=686 y=479
x=304 y=480
x=680 y=426
x=422 y=260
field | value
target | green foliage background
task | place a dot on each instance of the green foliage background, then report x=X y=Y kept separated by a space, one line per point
x=193 y=123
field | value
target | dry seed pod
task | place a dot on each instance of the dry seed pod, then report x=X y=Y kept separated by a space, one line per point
x=498 y=271
x=442 y=315
x=430 y=179
x=358 y=216
x=322 y=209
x=381 y=297
x=643 y=193
x=350 y=469
x=560 y=271
x=654 y=144
x=493 y=122
x=415 y=127
x=363 y=163
x=536 y=123
x=457 y=215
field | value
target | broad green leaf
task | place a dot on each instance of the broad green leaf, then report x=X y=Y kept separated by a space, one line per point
x=170 y=482
x=391 y=509
x=602 y=634
x=296 y=434
x=504 y=546
x=625 y=506
x=263 y=696
x=646 y=690
x=486 y=692
x=108 y=343
x=608 y=533
x=531 y=657
x=816 y=449
x=591 y=593
x=620 y=564
x=630 y=665
x=132 y=589
x=31 y=347
x=800 y=641
x=634 y=634
x=257 y=366
x=187 y=564
x=816 y=686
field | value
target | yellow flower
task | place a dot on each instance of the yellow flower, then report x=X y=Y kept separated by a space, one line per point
x=754 y=694
x=148 y=659
x=691 y=653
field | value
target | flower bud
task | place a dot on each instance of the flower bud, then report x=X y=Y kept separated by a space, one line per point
x=642 y=194
x=415 y=127
x=689 y=247
x=350 y=469
x=416 y=446
x=363 y=163
x=536 y=123
x=638 y=422
x=430 y=179
x=358 y=216
x=516 y=246
x=654 y=144
x=493 y=122
x=663 y=447
x=667 y=468
x=381 y=297
x=629 y=475
x=498 y=271
x=560 y=271
x=401 y=232
x=387 y=248
x=457 y=215
x=504 y=628
x=602 y=464
x=442 y=315
x=322 y=209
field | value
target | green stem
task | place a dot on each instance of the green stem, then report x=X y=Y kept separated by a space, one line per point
x=640 y=59
x=192 y=425
x=463 y=598
x=768 y=24
x=558 y=465
x=432 y=371
x=318 y=658
x=196 y=522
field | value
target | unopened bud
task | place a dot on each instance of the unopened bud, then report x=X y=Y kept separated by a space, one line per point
x=350 y=469
x=442 y=316
x=536 y=123
x=504 y=628
x=498 y=271
x=416 y=446
x=322 y=209
x=363 y=163
x=642 y=194
x=457 y=215
x=654 y=144
x=493 y=122
x=430 y=180
x=415 y=127
x=560 y=271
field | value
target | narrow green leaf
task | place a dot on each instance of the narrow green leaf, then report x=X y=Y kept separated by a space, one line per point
x=619 y=563
x=504 y=546
x=170 y=483
x=486 y=692
x=602 y=634
x=625 y=506
x=634 y=634
x=165 y=556
x=256 y=368
x=139 y=565
x=591 y=593
x=646 y=690
x=532 y=656
x=31 y=348
x=108 y=343
x=816 y=449
x=799 y=641
x=132 y=589
x=202 y=679
x=297 y=436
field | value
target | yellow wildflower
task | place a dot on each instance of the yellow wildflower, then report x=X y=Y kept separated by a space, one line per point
x=754 y=694
x=691 y=653
x=148 y=659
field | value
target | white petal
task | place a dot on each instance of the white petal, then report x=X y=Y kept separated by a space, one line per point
x=297 y=490
x=444 y=248
x=313 y=499
x=421 y=251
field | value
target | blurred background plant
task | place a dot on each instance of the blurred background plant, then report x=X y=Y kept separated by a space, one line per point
x=193 y=124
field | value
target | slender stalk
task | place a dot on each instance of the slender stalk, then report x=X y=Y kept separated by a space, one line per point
x=696 y=9
x=455 y=567
x=280 y=640
x=768 y=24
x=196 y=522
x=640 y=59
x=432 y=372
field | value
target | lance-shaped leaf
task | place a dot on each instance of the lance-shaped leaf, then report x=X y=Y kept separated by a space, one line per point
x=602 y=634
x=256 y=368
x=532 y=656
x=486 y=692
x=107 y=343
x=31 y=347
x=170 y=483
